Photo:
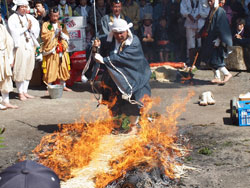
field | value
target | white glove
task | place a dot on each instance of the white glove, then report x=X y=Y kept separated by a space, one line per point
x=98 y=58
x=216 y=42
x=84 y=79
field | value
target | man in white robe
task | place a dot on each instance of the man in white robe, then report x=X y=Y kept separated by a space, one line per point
x=24 y=30
x=6 y=60
x=195 y=12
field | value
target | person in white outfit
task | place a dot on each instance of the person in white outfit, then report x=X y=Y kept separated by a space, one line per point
x=203 y=12
x=24 y=29
x=6 y=60
x=195 y=12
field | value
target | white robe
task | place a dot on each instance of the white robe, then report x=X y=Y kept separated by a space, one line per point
x=25 y=51
x=186 y=9
x=201 y=9
x=6 y=59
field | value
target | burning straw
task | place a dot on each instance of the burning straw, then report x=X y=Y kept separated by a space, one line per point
x=87 y=155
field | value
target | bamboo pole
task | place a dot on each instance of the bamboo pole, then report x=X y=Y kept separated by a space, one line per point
x=7 y=10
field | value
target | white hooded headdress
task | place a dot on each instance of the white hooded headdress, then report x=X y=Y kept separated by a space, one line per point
x=19 y=3
x=120 y=25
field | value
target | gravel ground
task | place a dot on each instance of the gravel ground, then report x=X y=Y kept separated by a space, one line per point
x=208 y=128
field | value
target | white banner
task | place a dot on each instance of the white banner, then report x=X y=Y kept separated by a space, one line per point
x=77 y=36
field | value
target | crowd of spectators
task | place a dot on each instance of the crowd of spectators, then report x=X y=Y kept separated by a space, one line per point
x=160 y=24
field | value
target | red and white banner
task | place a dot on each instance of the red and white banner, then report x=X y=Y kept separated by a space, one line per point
x=77 y=36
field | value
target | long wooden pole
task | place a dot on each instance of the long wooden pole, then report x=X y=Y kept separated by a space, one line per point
x=7 y=10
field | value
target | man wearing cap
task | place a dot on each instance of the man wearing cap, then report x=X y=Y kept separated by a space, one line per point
x=28 y=174
x=116 y=8
x=127 y=77
x=6 y=61
x=56 y=62
x=24 y=29
x=217 y=42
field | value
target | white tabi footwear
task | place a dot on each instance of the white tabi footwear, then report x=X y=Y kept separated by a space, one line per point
x=203 y=99
x=210 y=98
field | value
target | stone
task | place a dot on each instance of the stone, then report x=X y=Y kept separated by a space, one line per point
x=235 y=60
x=246 y=52
x=165 y=73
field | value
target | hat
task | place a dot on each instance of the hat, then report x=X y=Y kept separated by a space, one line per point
x=28 y=174
x=116 y=1
x=147 y=17
x=19 y=3
x=119 y=25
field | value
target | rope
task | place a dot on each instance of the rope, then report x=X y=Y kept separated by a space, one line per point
x=25 y=34
x=127 y=96
x=94 y=90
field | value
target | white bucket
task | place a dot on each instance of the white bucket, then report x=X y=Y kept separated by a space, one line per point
x=55 y=91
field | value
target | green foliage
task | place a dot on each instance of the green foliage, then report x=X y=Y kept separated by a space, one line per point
x=153 y=76
x=188 y=158
x=1 y=138
x=122 y=121
x=125 y=123
x=205 y=151
x=228 y=144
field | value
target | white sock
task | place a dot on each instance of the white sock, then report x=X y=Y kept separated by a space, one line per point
x=20 y=87
x=224 y=70
x=217 y=74
x=25 y=86
x=6 y=98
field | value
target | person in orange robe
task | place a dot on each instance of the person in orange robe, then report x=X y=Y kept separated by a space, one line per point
x=56 y=62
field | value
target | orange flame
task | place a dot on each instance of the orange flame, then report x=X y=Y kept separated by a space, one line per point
x=154 y=145
x=72 y=146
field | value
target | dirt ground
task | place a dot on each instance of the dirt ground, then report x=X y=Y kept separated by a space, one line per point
x=225 y=165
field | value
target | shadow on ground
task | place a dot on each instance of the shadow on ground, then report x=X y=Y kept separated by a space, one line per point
x=48 y=128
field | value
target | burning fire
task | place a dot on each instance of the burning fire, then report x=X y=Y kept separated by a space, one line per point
x=84 y=151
